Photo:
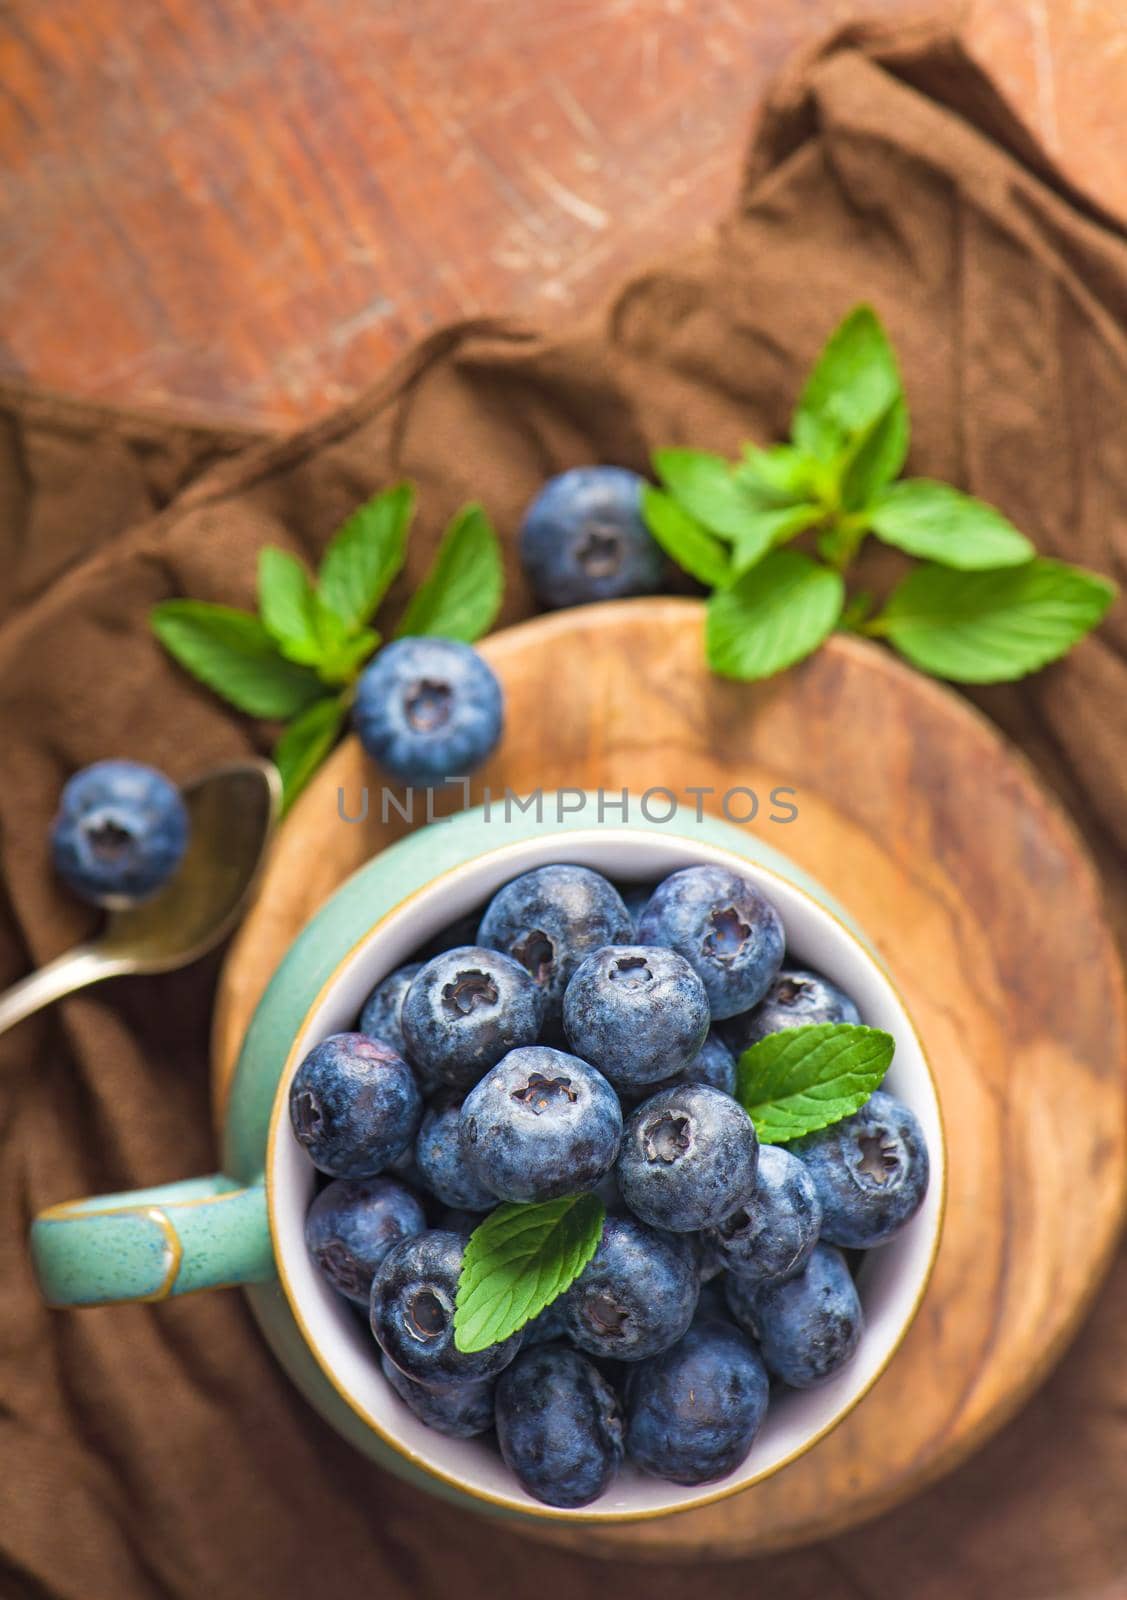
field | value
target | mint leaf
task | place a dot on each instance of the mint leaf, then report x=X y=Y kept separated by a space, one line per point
x=781 y=473
x=365 y=555
x=992 y=627
x=461 y=594
x=771 y=526
x=854 y=382
x=287 y=604
x=877 y=457
x=683 y=539
x=342 y=659
x=802 y=1079
x=706 y=486
x=932 y=520
x=520 y=1259
x=773 y=616
x=233 y=654
x=305 y=744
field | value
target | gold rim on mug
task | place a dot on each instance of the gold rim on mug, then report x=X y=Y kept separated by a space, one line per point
x=533 y=1508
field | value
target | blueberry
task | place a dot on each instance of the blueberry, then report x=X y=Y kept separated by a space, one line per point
x=549 y=919
x=714 y=1066
x=583 y=539
x=428 y=710
x=728 y=933
x=380 y=1018
x=559 y=1426
x=539 y=1125
x=120 y=833
x=639 y=1013
x=870 y=1171
x=635 y=1296
x=466 y=1009
x=355 y=1105
x=693 y=1412
x=772 y=1235
x=438 y=1151
x=459 y=1410
x=412 y=1313
x=351 y=1226
x=808 y=1327
x=797 y=998
x=689 y=1157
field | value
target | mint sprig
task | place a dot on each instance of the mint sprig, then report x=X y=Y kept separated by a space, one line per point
x=983 y=610
x=297 y=661
x=801 y=1080
x=520 y=1259
x=991 y=627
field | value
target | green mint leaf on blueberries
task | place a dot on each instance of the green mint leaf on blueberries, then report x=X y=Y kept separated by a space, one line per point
x=771 y=526
x=939 y=523
x=773 y=616
x=708 y=489
x=781 y=474
x=684 y=540
x=800 y=1080
x=461 y=594
x=287 y=604
x=365 y=555
x=854 y=382
x=520 y=1259
x=877 y=457
x=305 y=744
x=991 y=627
x=233 y=654
x=342 y=660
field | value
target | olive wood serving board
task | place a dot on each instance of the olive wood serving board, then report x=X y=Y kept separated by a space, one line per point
x=933 y=832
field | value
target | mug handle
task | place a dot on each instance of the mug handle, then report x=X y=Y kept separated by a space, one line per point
x=201 y=1233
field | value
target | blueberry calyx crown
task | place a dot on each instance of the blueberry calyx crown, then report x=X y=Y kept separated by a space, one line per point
x=605 y=1316
x=667 y=1137
x=335 y=1260
x=788 y=990
x=536 y=952
x=539 y=1093
x=728 y=936
x=109 y=841
x=306 y=1113
x=428 y=704
x=880 y=1161
x=632 y=972
x=427 y=1314
x=469 y=991
x=600 y=554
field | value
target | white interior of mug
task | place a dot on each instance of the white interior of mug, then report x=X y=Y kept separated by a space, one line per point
x=891 y=1279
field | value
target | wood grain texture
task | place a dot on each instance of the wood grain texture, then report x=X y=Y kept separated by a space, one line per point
x=246 y=210
x=920 y=819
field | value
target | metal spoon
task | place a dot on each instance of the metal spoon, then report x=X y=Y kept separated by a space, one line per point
x=233 y=811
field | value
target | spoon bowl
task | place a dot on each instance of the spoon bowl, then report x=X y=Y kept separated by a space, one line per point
x=233 y=810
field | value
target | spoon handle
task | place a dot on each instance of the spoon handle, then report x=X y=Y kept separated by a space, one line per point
x=68 y=972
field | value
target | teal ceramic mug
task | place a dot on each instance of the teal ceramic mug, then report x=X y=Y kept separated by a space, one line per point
x=246 y=1226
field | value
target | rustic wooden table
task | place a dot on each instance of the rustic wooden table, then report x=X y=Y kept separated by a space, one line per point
x=244 y=211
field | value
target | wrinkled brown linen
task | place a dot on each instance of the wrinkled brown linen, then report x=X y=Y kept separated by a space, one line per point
x=160 y=1451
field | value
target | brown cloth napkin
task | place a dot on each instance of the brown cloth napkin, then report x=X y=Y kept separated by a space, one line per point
x=159 y=1451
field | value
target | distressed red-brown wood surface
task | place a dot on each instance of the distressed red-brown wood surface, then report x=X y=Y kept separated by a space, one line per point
x=245 y=209
x=961 y=885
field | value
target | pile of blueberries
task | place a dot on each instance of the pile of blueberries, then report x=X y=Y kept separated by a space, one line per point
x=581 y=1039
